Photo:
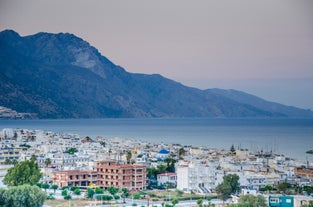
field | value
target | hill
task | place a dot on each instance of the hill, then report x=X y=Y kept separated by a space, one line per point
x=62 y=76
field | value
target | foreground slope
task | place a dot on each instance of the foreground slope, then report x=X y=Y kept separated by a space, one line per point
x=62 y=76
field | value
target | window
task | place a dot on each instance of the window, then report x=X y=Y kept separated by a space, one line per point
x=274 y=200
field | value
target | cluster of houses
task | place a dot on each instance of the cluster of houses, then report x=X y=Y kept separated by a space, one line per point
x=123 y=163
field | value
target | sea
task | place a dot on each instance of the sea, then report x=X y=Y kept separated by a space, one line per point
x=289 y=136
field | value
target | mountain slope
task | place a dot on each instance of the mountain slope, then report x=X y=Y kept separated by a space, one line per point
x=62 y=76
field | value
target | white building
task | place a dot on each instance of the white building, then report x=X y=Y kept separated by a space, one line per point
x=196 y=176
x=165 y=178
x=163 y=154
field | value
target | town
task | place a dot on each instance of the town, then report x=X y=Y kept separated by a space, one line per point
x=93 y=165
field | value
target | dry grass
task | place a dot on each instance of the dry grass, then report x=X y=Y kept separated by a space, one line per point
x=71 y=203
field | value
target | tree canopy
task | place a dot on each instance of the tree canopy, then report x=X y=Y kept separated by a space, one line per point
x=26 y=172
x=23 y=196
x=253 y=201
x=113 y=190
x=152 y=172
x=47 y=162
x=283 y=187
x=229 y=185
x=71 y=150
x=128 y=156
x=232 y=149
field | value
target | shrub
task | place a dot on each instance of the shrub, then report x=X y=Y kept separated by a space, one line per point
x=67 y=197
x=104 y=197
x=77 y=191
x=136 y=196
x=74 y=188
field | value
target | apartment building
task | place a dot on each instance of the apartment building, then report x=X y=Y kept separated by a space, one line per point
x=10 y=152
x=304 y=172
x=196 y=176
x=75 y=178
x=107 y=173
x=110 y=173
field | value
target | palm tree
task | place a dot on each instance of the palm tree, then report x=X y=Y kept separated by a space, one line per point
x=47 y=162
x=128 y=156
x=181 y=152
x=7 y=161
x=33 y=158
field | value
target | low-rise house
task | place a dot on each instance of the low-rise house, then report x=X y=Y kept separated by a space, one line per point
x=289 y=201
x=167 y=178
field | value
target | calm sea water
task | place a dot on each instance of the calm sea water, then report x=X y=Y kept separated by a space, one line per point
x=292 y=137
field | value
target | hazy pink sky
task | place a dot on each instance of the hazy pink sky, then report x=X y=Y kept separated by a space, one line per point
x=263 y=47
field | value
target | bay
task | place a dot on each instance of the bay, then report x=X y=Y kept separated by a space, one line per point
x=291 y=137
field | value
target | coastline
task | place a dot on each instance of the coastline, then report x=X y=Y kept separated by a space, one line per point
x=291 y=137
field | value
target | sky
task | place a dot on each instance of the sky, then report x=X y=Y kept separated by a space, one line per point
x=262 y=47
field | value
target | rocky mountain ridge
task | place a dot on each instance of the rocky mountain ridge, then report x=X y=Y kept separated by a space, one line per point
x=62 y=76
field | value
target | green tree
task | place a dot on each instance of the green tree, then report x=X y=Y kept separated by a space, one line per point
x=26 y=172
x=223 y=191
x=64 y=193
x=98 y=191
x=15 y=135
x=266 y=188
x=103 y=143
x=73 y=188
x=45 y=186
x=71 y=150
x=232 y=149
x=229 y=185
x=88 y=139
x=283 y=187
x=170 y=164
x=151 y=172
x=77 y=191
x=161 y=169
x=104 y=197
x=54 y=187
x=14 y=161
x=125 y=193
x=24 y=196
x=128 y=156
x=174 y=201
x=308 y=189
x=47 y=162
x=68 y=197
x=112 y=190
x=7 y=161
x=253 y=201
x=2 y=199
x=90 y=193
x=308 y=205
x=200 y=202
x=136 y=196
x=179 y=193
x=181 y=152
x=33 y=158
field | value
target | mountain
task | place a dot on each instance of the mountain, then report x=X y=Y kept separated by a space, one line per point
x=62 y=76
